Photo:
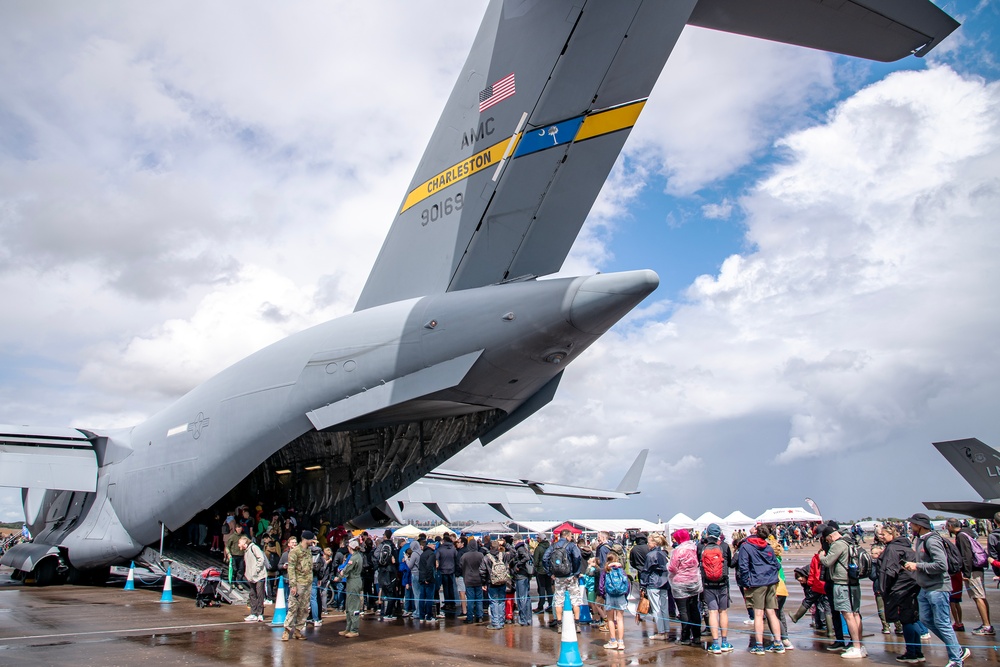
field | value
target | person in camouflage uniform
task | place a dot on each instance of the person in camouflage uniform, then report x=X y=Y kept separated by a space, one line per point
x=300 y=576
x=351 y=574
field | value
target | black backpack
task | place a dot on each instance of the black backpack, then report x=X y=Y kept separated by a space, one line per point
x=560 y=563
x=955 y=563
x=385 y=555
x=859 y=563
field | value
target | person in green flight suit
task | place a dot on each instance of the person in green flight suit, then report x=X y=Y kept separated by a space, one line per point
x=351 y=575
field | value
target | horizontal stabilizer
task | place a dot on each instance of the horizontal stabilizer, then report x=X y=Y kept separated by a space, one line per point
x=975 y=509
x=60 y=459
x=883 y=30
x=421 y=383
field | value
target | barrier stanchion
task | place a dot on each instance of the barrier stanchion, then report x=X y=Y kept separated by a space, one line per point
x=130 y=582
x=569 y=650
x=168 y=589
x=280 y=607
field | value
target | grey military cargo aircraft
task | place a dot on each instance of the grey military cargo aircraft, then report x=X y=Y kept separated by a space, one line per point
x=455 y=337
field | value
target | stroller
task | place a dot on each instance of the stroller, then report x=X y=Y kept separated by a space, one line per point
x=207 y=584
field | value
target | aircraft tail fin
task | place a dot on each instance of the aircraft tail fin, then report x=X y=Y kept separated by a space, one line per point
x=540 y=112
x=630 y=482
x=883 y=30
x=977 y=462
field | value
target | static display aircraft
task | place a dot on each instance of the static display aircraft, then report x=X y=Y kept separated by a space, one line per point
x=979 y=464
x=454 y=337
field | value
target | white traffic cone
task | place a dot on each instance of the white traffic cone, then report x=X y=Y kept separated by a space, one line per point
x=569 y=650
x=168 y=589
x=280 y=607
x=130 y=582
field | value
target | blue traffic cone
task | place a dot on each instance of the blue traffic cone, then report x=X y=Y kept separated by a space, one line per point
x=569 y=651
x=280 y=607
x=130 y=582
x=585 y=616
x=168 y=589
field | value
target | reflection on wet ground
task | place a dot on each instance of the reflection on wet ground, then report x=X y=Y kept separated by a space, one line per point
x=109 y=626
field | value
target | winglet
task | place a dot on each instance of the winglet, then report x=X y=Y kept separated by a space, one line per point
x=630 y=483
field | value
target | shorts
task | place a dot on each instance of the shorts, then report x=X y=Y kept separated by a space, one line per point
x=847 y=598
x=619 y=602
x=763 y=597
x=975 y=587
x=715 y=599
x=562 y=585
x=956 y=588
x=460 y=584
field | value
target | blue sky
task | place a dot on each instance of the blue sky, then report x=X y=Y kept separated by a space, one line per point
x=179 y=187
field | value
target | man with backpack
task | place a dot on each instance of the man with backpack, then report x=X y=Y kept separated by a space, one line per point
x=930 y=570
x=495 y=572
x=543 y=580
x=715 y=557
x=846 y=591
x=974 y=561
x=522 y=569
x=388 y=576
x=563 y=561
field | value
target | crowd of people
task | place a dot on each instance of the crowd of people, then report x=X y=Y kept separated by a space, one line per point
x=680 y=580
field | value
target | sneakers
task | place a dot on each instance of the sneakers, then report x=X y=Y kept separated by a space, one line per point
x=776 y=647
x=836 y=646
x=726 y=647
x=910 y=659
x=715 y=648
x=756 y=650
x=853 y=653
x=252 y=618
x=318 y=622
x=926 y=636
x=787 y=643
x=966 y=654
x=958 y=627
x=350 y=635
x=285 y=636
x=984 y=630
x=613 y=645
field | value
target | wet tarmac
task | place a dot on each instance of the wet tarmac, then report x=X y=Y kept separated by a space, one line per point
x=78 y=625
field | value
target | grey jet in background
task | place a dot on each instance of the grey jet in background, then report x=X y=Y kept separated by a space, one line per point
x=454 y=338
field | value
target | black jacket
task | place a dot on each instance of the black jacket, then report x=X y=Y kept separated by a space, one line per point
x=899 y=588
x=428 y=560
x=637 y=559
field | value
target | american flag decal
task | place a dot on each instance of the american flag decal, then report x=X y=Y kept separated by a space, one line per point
x=496 y=93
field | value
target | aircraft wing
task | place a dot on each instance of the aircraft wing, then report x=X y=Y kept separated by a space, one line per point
x=47 y=458
x=543 y=106
x=441 y=488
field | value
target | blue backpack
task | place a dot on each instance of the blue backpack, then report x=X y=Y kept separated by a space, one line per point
x=615 y=582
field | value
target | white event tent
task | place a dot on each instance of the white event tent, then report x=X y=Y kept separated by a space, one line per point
x=786 y=514
x=737 y=521
x=678 y=521
x=701 y=523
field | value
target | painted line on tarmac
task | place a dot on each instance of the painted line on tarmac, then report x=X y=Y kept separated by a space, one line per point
x=122 y=631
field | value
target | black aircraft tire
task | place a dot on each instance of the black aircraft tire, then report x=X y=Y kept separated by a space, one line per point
x=45 y=573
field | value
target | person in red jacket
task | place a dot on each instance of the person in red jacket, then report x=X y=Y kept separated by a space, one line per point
x=814 y=593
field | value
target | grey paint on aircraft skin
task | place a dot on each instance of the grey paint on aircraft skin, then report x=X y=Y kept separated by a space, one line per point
x=429 y=340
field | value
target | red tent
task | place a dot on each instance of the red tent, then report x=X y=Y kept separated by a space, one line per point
x=566 y=525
